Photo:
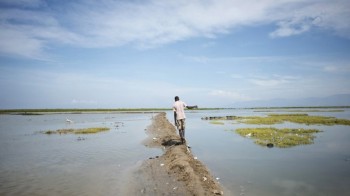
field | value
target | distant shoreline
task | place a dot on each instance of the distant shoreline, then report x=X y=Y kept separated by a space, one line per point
x=136 y=110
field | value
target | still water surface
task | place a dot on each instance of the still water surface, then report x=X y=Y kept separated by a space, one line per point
x=38 y=164
x=322 y=168
x=32 y=163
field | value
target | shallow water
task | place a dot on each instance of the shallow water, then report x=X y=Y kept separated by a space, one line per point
x=322 y=168
x=32 y=163
x=38 y=164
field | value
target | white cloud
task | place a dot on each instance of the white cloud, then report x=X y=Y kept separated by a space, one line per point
x=237 y=76
x=272 y=81
x=340 y=68
x=30 y=33
x=305 y=15
x=22 y=45
x=289 y=28
x=267 y=82
x=153 y=23
x=197 y=59
x=232 y=95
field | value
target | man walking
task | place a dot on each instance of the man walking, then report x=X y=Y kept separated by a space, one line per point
x=179 y=116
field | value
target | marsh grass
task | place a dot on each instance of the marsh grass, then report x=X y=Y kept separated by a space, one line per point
x=279 y=110
x=294 y=118
x=216 y=122
x=282 y=138
x=78 y=131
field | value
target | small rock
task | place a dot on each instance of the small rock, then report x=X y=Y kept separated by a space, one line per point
x=143 y=190
x=204 y=179
x=162 y=164
x=269 y=145
x=216 y=192
x=80 y=138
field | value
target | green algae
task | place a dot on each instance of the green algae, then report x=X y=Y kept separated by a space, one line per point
x=216 y=122
x=308 y=110
x=282 y=138
x=78 y=131
x=294 y=118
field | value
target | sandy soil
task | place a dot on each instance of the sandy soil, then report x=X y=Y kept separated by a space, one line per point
x=176 y=172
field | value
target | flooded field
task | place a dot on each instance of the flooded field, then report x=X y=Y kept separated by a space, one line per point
x=246 y=168
x=33 y=163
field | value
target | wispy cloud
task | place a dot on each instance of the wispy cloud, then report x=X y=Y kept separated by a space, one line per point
x=306 y=15
x=237 y=76
x=232 y=95
x=197 y=59
x=272 y=81
x=340 y=68
x=29 y=33
x=153 y=23
x=293 y=27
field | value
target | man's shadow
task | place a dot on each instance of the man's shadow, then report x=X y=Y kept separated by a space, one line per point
x=171 y=142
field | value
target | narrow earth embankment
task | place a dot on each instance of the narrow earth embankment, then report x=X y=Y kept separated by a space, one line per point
x=176 y=172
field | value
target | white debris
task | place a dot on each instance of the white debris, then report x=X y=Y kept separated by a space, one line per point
x=216 y=192
x=204 y=178
x=162 y=164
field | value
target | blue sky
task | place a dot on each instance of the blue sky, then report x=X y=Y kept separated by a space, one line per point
x=212 y=53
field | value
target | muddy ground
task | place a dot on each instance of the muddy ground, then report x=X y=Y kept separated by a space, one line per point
x=176 y=172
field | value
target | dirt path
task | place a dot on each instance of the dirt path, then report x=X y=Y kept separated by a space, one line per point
x=176 y=172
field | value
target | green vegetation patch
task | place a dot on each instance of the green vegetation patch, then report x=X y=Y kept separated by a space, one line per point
x=282 y=138
x=309 y=110
x=78 y=131
x=295 y=118
x=217 y=122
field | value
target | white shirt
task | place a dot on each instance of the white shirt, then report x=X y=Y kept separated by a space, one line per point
x=179 y=108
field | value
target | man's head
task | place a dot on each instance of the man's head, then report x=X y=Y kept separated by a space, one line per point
x=177 y=98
